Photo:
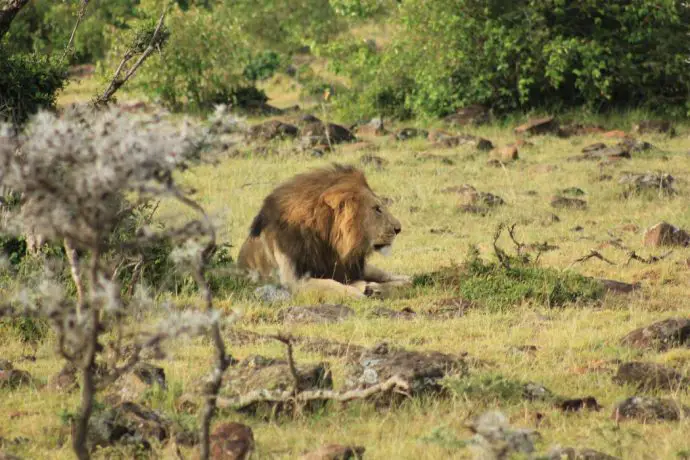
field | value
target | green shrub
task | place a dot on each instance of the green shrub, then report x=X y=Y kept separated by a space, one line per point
x=496 y=287
x=528 y=54
x=28 y=82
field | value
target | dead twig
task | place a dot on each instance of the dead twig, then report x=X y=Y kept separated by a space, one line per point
x=593 y=254
x=632 y=255
x=395 y=384
x=287 y=340
x=503 y=258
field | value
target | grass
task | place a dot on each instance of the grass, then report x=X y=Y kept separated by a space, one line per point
x=575 y=340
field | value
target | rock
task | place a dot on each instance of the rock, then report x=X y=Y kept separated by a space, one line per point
x=373 y=160
x=561 y=202
x=422 y=372
x=618 y=287
x=550 y=219
x=570 y=453
x=325 y=134
x=546 y=125
x=494 y=438
x=616 y=152
x=654 y=126
x=272 y=294
x=507 y=154
x=635 y=183
x=573 y=191
x=431 y=156
x=615 y=134
x=329 y=348
x=470 y=196
x=452 y=307
x=272 y=129
x=65 y=379
x=6 y=365
x=335 y=452
x=308 y=118
x=465 y=139
x=437 y=135
x=648 y=182
x=649 y=409
x=383 y=312
x=665 y=234
x=536 y=392
x=130 y=424
x=475 y=114
x=574 y=405
x=635 y=146
x=579 y=129
x=325 y=313
x=232 y=441
x=410 y=133
x=267 y=376
x=594 y=147
x=373 y=128
x=650 y=376
x=14 y=378
x=660 y=336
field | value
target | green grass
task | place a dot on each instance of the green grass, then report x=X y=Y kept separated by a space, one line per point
x=550 y=305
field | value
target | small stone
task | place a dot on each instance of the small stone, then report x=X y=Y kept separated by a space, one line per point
x=618 y=287
x=573 y=191
x=574 y=405
x=649 y=409
x=410 y=133
x=475 y=114
x=570 y=453
x=594 y=147
x=661 y=336
x=658 y=183
x=373 y=128
x=272 y=129
x=615 y=134
x=654 y=126
x=538 y=126
x=272 y=294
x=373 y=160
x=383 y=312
x=665 y=234
x=536 y=392
x=325 y=313
x=335 y=452
x=14 y=378
x=561 y=202
x=507 y=154
x=232 y=441
x=465 y=139
x=649 y=376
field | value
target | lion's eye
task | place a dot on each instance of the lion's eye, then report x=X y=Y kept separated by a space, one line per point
x=378 y=209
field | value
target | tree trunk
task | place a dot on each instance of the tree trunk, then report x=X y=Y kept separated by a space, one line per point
x=8 y=10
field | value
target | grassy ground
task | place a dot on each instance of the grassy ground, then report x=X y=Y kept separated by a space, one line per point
x=574 y=343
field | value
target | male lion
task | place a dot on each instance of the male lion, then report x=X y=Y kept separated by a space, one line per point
x=317 y=230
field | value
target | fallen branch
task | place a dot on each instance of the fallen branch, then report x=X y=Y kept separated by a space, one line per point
x=632 y=255
x=593 y=254
x=287 y=340
x=394 y=384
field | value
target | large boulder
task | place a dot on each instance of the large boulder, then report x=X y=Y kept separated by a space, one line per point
x=232 y=441
x=661 y=336
x=422 y=372
x=650 y=376
x=272 y=129
x=649 y=409
x=665 y=234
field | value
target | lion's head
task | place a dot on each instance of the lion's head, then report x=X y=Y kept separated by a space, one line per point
x=327 y=222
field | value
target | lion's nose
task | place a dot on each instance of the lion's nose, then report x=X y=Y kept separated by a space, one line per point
x=397 y=229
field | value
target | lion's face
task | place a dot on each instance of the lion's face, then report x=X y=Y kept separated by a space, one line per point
x=379 y=225
x=362 y=221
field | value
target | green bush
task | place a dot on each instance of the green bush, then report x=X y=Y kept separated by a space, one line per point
x=496 y=287
x=28 y=82
x=44 y=27
x=527 y=54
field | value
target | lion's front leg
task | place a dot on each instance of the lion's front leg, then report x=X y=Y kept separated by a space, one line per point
x=377 y=275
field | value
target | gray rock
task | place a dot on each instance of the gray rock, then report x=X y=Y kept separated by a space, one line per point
x=272 y=294
x=649 y=409
x=660 y=336
x=650 y=376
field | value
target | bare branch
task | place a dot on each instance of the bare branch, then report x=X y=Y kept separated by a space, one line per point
x=287 y=340
x=394 y=384
x=593 y=254
x=80 y=15
x=116 y=82
x=632 y=255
